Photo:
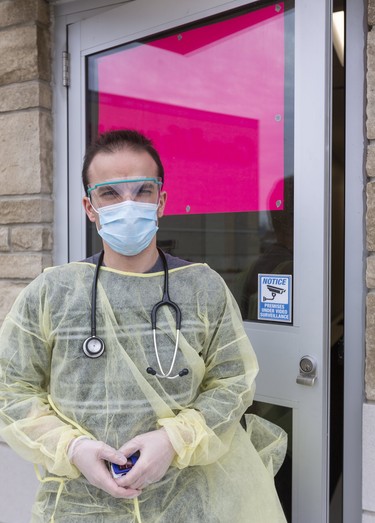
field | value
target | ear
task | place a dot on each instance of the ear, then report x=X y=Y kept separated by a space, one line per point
x=89 y=210
x=162 y=202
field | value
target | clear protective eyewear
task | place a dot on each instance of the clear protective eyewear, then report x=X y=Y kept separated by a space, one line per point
x=144 y=190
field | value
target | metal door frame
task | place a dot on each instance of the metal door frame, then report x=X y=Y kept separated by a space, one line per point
x=355 y=253
x=66 y=13
x=312 y=191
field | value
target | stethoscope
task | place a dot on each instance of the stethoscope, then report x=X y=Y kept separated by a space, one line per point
x=93 y=347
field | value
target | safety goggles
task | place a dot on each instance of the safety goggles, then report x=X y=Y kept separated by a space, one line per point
x=103 y=194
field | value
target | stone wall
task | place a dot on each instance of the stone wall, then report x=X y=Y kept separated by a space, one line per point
x=368 y=482
x=26 y=205
x=26 y=208
x=370 y=225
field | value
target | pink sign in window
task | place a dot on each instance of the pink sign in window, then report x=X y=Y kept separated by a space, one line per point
x=211 y=98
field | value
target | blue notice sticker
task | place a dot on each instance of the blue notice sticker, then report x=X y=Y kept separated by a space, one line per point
x=275 y=297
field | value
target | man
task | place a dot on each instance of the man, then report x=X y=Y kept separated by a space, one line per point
x=79 y=389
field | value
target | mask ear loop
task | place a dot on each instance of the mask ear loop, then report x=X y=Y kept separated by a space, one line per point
x=158 y=204
x=88 y=193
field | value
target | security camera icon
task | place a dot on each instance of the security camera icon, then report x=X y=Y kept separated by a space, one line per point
x=273 y=290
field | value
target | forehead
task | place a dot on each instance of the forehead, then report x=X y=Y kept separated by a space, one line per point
x=124 y=163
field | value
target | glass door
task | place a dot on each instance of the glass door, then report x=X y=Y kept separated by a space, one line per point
x=235 y=98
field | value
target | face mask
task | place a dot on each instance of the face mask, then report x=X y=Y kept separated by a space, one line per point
x=128 y=227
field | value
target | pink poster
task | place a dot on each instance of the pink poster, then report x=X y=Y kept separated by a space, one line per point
x=212 y=100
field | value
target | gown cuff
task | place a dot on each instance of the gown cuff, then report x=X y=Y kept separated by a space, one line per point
x=190 y=437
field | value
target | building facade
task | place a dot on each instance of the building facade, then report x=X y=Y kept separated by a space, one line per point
x=32 y=226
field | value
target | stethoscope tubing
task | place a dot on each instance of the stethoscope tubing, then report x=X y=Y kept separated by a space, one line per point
x=98 y=343
x=168 y=375
x=94 y=293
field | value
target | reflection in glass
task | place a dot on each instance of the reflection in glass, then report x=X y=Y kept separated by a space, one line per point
x=216 y=98
x=283 y=417
x=275 y=253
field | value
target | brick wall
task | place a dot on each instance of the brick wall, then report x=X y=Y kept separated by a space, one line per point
x=26 y=207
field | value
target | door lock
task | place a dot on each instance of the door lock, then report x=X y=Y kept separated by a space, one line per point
x=307 y=371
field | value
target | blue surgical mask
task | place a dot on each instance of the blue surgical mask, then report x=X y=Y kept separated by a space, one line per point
x=128 y=227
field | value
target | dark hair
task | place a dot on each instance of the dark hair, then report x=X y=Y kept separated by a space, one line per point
x=113 y=141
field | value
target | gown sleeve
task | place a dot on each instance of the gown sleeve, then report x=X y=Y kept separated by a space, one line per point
x=202 y=433
x=28 y=424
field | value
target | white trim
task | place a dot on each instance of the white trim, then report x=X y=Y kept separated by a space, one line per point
x=82 y=7
x=95 y=31
x=65 y=13
x=355 y=252
x=60 y=185
x=312 y=163
x=76 y=145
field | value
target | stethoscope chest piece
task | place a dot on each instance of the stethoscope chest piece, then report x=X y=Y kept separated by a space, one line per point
x=93 y=347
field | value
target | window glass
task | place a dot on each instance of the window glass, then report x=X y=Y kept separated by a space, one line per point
x=216 y=98
x=282 y=417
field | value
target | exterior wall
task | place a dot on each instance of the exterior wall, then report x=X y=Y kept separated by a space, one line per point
x=368 y=502
x=26 y=209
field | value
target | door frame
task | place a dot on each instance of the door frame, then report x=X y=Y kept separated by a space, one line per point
x=66 y=13
x=310 y=332
x=355 y=252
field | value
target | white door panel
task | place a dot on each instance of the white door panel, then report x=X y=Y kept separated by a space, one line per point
x=279 y=346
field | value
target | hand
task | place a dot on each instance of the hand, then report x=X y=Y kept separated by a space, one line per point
x=89 y=457
x=156 y=456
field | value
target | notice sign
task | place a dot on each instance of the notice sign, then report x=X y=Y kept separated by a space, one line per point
x=275 y=297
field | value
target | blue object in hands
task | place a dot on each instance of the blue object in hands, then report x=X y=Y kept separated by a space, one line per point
x=120 y=470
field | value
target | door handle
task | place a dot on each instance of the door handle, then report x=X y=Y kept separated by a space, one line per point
x=307 y=371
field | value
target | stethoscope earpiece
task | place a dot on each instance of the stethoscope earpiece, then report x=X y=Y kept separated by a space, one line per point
x=153 y=372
